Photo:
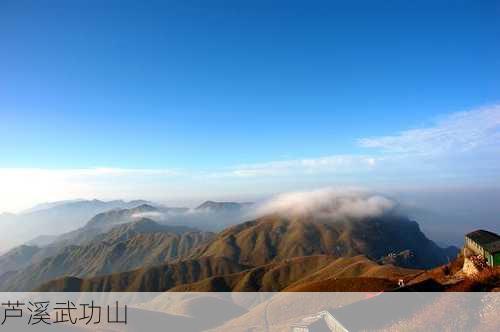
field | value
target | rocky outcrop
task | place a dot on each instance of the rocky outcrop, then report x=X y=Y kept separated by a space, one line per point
x=473 y=265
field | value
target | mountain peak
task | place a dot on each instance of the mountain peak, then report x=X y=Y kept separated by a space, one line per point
x=272 y=238
x=222 y=206
x=144 y=208
x=119 y=216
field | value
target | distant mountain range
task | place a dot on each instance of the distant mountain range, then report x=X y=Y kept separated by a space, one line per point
x=51 y=219
x=44 y=223
x=82 y=204
x=112 y=241
x=226 y=207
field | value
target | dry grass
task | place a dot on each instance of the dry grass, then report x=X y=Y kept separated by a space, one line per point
x=484 y=281
x=345 y=285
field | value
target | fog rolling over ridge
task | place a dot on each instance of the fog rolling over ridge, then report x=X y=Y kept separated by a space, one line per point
x=445 y=216
x=328 y=203
x=48 y=222
x=53 y=219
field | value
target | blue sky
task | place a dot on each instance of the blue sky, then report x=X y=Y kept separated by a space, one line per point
x=129 y=98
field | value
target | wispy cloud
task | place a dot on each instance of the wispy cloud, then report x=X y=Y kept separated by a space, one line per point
x=459 y=132
x=109 y=171
x=328 y=164
x=84 y=172
x=157 y=216
x=471 y=136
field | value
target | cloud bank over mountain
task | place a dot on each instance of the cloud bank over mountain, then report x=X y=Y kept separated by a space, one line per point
x=328 y=203
x=155 y=215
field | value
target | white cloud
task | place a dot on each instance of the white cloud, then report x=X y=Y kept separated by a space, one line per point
x=463 y=140
x=154 y=215
x=459 y=132
x=328 y=203
x=107 y=171
x=328 y=164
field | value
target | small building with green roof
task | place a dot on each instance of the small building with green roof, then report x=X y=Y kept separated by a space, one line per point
x=486 y=244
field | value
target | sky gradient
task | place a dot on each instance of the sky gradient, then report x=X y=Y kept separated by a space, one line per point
x=233 y=99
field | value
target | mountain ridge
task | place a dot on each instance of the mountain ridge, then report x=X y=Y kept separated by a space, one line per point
x=275 y=237
x=268 y=250
x=54 y=219
x=125 y=247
